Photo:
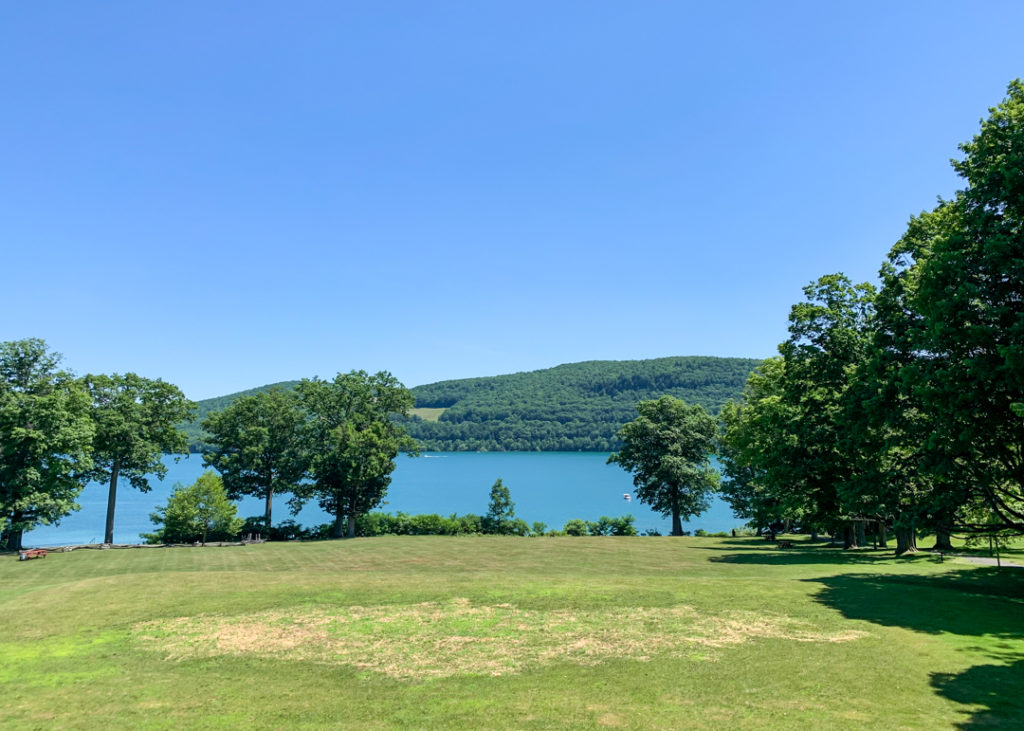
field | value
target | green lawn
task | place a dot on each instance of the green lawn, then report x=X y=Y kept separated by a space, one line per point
x=427 y=632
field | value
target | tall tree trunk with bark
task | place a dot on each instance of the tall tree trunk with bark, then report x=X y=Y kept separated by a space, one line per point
x=268 y=506
x=942 y=540
x=351 y=527
x=862 y=538
x=906 y=541
x=883 y=534
x=850 y=537
x=14 y=535
x=108 y=534
x=677 y=523
x=339 y=521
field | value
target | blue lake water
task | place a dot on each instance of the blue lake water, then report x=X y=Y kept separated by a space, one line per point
x=550 y=487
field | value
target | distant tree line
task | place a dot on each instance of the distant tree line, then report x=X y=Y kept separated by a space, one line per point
x=901 y=408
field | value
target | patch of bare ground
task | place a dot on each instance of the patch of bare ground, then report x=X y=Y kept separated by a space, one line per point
x=433 y=640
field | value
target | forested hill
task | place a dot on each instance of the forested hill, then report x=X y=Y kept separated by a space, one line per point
x=207 y=406
x=572 y=407
x=578 y=406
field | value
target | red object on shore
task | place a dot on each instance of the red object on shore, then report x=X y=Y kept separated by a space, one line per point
x=31 y=553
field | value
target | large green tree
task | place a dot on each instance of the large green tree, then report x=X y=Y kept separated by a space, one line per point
x=45 y=439
x=136 y=422
x=829 y=333
x=971 y=297
x=668 y=448
x=256 y=445
x=887 y=421
x=353 y=436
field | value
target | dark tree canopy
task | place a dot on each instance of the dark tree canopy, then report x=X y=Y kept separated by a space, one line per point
x=668 y=448
x=45 y=439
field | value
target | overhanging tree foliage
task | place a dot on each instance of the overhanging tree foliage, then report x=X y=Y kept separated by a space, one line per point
x=668 y=448
x=45 y=439
x=136 y=422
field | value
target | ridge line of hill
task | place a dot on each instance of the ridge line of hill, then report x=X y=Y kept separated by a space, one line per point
x=569 y=407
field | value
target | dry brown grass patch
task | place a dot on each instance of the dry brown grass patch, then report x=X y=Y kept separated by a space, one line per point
x=457 y=638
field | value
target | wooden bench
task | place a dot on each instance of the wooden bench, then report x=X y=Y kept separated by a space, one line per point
x=31 y=553
x=784 y=544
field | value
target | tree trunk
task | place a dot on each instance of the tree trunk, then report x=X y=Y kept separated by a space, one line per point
x=677 y=524
x=862 y=538
x=883 y=534
x=336 y=529
x=850 y=537
x=14 y=535
x=351 y=527
x=942 y=540
x=108 y=535
x=814 y=536
x=906 y=541
x=267 y=508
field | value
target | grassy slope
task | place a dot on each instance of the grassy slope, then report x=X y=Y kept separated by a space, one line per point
x=428 y=414
x=938 y=644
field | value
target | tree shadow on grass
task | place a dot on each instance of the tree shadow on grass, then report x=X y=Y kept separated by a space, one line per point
x=995 y=688
x=810 y=553
x=980 y=602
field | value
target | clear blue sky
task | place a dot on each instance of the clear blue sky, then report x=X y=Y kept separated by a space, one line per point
x=226 y=194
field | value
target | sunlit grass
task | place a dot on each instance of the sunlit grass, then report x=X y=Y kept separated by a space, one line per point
x=501 y=632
